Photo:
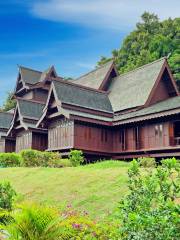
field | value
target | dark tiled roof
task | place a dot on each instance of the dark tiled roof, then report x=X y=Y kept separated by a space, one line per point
x=133 y=88
x=161 y=107
x=5 y=120
x=29 y=76
x=79 y=96
x=30 y=109
x=94 y=78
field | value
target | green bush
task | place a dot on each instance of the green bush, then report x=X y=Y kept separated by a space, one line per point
x=35 y=222
x=150 y=210
x=31 y=158
x=10 y=160
x=147 y=162
x=7 y=195
x=34 y=158
x=59 y=163
x=76 y=157
x=52 y=159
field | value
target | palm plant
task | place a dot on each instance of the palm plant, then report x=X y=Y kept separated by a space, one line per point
x=34 y=222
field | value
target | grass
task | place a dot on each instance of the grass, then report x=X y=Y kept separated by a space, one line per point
x=95 y=188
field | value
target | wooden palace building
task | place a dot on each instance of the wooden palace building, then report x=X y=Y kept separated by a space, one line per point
x=103 y=113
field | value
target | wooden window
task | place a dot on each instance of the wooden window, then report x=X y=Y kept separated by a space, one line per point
x=156 y=130
x=136 y=137
x=122 y=139
x=159 y=130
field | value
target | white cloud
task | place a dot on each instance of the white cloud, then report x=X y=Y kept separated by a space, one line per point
x=112 y=14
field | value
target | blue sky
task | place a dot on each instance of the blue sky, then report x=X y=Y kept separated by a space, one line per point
x=70 y=34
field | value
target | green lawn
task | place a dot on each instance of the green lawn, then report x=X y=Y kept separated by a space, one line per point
x=96 y=188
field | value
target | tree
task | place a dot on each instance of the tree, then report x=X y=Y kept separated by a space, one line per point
x=9 y=103
x=151 y=40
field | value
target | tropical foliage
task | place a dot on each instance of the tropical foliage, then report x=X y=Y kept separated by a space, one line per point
x=7 y=195
x=9 y=103
x=150 y=210
x=76 y=157
x=151 y=40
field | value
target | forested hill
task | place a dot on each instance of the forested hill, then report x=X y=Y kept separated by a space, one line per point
x=151 y=40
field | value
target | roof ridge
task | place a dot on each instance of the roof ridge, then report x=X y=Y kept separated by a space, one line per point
x=80 y=86
x=145 y=65
x=27 y=68
x=93 y=70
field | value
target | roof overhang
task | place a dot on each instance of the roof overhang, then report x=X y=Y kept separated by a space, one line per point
x=147 y=117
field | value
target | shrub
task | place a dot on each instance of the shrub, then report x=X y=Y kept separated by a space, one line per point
x=10 y=160
x=31 y=158
x=147 y=162
x=76 y=157
x=34 y=222
x=7 y=195
x=53 y=159
x=150 y=211
x=34 y=158
x=59 y=163
x=79 y=226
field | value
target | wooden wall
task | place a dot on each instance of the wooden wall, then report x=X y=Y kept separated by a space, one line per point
x=2 y=145
x=39 y=141
x=162 y=93
x=23 y=141
x=61 y=135
x=36 y=94
x=40 y=95
x=144 y=137
x=92 y=138
x=10 y=145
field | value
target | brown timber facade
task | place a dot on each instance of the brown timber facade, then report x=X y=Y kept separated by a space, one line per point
x=104 y=114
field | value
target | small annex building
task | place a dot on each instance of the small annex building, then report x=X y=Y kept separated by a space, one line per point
x=103 y=113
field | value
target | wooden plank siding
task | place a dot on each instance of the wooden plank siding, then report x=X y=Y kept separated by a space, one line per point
x=61 y=135
x=39 y=141
x=143 y=137
x=93 y=138
x=10 y=145
x=23 y=141
x=2 y=145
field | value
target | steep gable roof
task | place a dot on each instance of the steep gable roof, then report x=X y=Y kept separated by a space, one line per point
x=27 y=109
x=5 y=120
x=29 y=76
x=132 y=89
x=83 y=97
x=95 y=78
